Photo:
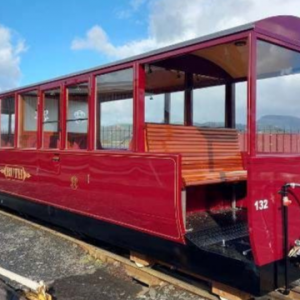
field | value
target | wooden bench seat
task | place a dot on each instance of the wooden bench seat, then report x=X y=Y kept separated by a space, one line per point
x=209 y=155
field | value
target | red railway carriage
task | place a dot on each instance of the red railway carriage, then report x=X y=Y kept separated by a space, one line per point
x=179 y=154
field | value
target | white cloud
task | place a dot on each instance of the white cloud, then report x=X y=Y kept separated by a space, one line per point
x=172 y=21
x=134 y=6
x=11 y=47
x=97 y=39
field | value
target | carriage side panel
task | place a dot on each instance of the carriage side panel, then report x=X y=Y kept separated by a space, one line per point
x=266 y=177
x=138 y=191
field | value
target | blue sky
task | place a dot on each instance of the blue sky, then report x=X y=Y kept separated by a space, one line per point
x=42 y=39
x=49 y=27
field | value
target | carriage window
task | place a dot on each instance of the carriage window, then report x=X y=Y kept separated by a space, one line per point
x=115 y=110
x=7 y=125
x=277 y=99
x=51 y=125
x=209 y=106
x=77 y=116
x=28 y=120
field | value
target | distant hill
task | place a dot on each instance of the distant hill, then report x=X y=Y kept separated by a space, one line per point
x=268 y=123
x=279 y=123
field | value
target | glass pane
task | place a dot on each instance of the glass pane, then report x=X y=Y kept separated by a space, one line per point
x=277 y=99
x=28 y=120
x=209 y=106
x=51 y=119
x=7 y=122
x=115 y=110
x=77 y=117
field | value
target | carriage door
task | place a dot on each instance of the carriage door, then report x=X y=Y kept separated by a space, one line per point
x=64 y=163
x=277 y=158
x=75 y=159
x=49 y=156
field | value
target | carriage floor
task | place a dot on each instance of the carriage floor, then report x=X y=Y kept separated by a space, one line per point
x=223 y=232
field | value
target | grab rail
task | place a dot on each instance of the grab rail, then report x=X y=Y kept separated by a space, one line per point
x=285 y=204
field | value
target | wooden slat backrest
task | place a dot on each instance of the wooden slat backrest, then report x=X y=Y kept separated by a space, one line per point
x=203 y=150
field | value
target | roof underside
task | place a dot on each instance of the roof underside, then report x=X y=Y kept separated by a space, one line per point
x=281 y=27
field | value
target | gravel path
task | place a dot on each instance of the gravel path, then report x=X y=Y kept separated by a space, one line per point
x=71 y=273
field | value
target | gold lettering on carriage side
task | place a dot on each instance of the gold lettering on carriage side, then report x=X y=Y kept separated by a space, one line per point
x=15 y=173
x=74 y=182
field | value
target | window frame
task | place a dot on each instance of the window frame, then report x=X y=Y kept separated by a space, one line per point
x=97 y=110
x=64 y=135
x=43 y=90
x=138 y=66
x=15 y=131
x=252 y=103
x=20 y=117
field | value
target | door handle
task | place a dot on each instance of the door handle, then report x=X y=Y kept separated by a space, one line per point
x=56 y=158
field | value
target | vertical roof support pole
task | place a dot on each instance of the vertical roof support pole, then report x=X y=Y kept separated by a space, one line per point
x=17 y=117
x=63 y=116
x=230 y=105
x=9 y=121
x=139 y=108
x=251 y=91
x=188 y=99
x=92 y=113
x=40 y=118
x=167 y=108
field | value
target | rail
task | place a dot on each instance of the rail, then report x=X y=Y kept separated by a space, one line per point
x=37 y=290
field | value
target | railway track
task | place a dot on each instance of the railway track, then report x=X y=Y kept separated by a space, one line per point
x=152 y=273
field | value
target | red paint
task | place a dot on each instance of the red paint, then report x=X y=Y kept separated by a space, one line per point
x=285 y=28
x=63 y=116
x=40 y=119
x=251 y=89
x=16 y=120
x=138 y=191
x=92 y=114
x=143 y=191
x=268 y=174
x=139 y=108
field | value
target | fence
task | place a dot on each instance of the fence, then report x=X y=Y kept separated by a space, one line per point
x=116 y=137
x=273 y=142
x=266 y=142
